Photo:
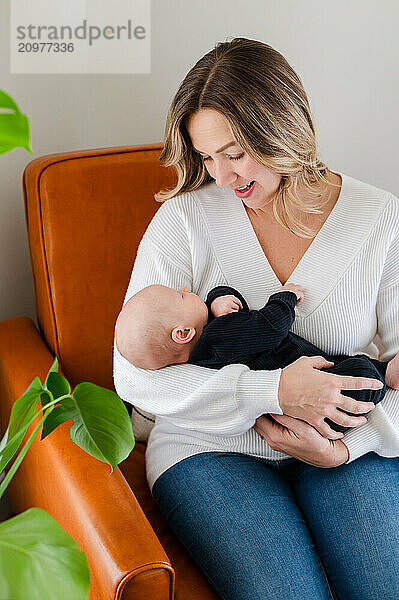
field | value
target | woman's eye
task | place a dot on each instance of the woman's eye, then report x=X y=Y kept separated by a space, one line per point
x=204 y=158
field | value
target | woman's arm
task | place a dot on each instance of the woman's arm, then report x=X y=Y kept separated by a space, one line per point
x=381 y=433
x=223 y=402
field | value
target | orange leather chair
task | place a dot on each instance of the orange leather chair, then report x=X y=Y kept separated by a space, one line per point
x=86 y=212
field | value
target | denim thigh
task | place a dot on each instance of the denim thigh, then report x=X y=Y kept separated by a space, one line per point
x=352 y=512
x=238 y=517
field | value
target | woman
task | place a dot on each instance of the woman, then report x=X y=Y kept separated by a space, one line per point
x=272 y=508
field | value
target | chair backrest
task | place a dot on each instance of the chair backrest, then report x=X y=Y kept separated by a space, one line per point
x=86 y=212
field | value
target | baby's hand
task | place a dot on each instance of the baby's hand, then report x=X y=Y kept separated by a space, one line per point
x=292 y=287
x=225 y=305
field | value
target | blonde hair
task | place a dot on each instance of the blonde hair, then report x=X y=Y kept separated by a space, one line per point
x=263 y=100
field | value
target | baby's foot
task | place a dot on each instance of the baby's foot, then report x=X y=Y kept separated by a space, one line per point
x=392 y=373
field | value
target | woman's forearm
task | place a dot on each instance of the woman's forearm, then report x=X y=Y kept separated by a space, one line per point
x=222 y=402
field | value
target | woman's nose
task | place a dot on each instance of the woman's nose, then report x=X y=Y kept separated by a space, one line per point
x=224 y=175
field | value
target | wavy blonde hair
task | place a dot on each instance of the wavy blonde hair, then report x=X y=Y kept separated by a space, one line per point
x=263 y=100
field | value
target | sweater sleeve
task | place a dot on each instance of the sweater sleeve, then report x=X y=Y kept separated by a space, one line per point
x=381 y=432
x=223 y=402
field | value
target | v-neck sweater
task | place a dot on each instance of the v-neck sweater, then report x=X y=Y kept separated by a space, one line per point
x=350 y=276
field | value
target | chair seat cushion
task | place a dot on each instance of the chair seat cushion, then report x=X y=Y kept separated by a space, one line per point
x=190 y=582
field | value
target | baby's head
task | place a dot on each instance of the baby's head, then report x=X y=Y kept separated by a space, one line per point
x=159 y=326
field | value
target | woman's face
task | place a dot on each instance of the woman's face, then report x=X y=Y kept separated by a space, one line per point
x=227 y=163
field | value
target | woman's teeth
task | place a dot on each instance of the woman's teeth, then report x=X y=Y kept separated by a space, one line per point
x=246 y=187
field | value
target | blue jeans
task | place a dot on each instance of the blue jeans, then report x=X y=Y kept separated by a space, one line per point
x=285 y=530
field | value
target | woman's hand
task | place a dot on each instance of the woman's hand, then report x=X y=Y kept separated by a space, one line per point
x=301 y=441
x=308 y=394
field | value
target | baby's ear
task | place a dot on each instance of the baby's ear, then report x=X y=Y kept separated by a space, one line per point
x=183 y=335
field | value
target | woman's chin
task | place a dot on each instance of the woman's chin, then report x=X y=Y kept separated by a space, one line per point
x=257 y=203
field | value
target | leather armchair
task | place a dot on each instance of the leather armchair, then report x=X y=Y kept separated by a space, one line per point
x=86 y=212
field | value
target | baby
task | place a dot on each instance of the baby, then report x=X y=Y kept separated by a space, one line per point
x=160 y=326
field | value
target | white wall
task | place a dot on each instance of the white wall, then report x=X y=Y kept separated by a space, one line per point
x=345 y=52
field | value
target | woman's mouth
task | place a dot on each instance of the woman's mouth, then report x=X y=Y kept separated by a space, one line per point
x=245 y=191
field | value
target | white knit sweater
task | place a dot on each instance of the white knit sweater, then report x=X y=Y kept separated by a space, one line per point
x=350 y=276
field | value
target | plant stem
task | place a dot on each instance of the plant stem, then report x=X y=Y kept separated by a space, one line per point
x=9 y=442
x=24 y=450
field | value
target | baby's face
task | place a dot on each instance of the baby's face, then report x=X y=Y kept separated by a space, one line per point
x=192 y=309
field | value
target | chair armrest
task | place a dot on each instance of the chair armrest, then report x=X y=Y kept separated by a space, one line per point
x=98 y=510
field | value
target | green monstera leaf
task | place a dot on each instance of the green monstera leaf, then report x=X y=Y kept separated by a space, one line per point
x=101 y=423
x=14 y=126
x=40 y=561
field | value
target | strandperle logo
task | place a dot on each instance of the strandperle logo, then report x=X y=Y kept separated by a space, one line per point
x=81 y=32
x=80 y=36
